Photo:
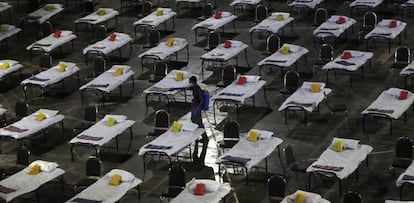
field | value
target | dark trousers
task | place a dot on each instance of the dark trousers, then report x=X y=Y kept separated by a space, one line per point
x=198 y=160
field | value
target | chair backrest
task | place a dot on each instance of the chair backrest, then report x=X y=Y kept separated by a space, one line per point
x=213 y=39
x=261 y=12
x=176 y=181
x=352 y=197
x=91 y=113
x=404 y=148
x=160 y=69
x=321 y=15
x=100 y=32
x=276 y=186
x=45 y=61
x=161 y=120
x=153 y=37
x=20 y=108
x=369 y=20
x=289 y=156
x=146 y=8
x=93 y=166
x=272 y=43
x=23 y=154
x=207 y=10
x=88 y=7
x=326 y=52
x=402 y=55
x=291 y=79
x=99 y=65
x=231 y=129
x=47 y=29
x=229 y=74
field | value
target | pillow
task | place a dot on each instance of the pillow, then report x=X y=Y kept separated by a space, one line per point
x=126 y=176
x=394 y=92
x=45 y=166
x=348 y=143
x=252 y=78
x=118 y=118
x=225 y=14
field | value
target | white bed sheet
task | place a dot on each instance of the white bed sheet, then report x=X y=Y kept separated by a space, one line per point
x=409 y=171
x=4 y=6
x=408 y=70
x=15 y=66
x=349 y=159
x=366 y=3
x=307 y=3
x=53 y=75
x=246 y=2
x=162 y=51
x=105 y=46
x=304 y=96
x=387 y=102
x=359 y=58
x=153 y=20
x=45 y=15
x=409 y=3
x=244 y=91
x=187 y=196
x=169 y=82
x=25 y=183
x=94 y=18
x=102 y=191
x=277 y=59
x=272 y=25
x=10 y=30
x=108 y=77
x=224 y=54
x=331 y=28
x=255 y=151
x=100 y=129
x=382 y=30
x=213 y=23
x=31 y=125
x=50 y=42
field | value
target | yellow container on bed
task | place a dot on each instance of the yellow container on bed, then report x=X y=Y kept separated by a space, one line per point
x=2 y=29
x=119 y=72
x=170 y=42
x=280 y=17
x=115 y=180
x=315 y=87
x=49 y=7
x=5 y=66
x=111 y=121
x=338 y=146
x=40 y=117
x=160 y=12
x=34 y=170
x=62 y=67
x=101 y=12
x=300 y=197
x=176 y=127
x=253 y=136
x=179 y=76
x=285 y=50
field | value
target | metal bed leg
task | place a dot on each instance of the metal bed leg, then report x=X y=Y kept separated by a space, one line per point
x=71 y=151
x=247 y=176
x=117 y=143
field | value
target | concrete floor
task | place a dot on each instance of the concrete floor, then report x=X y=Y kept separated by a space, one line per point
x=376 y=183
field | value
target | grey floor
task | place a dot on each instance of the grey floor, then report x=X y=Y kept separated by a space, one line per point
x=376 y=182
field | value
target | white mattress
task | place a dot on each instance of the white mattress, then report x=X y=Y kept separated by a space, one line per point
x=305 y=96
x=31 y=125
x=224 y=54
x=4 y=6
x=279 y=60
x=409 y=3
x=409 y=171
x=25 y=183
x=52 y=75
x=15 y=66
x=307 y=3
x=246 y=2
x=331 y=28
x=385 y=101
x=290 y=199
x=169 y=82
x=408 y=70
x=255 y=151
x=102 y=191
x=108 y=77
x=213 y=23
x=245 y=91
x=153 y=20
x=10 y=30
x=359 y=58
x=366 y=3
x=272 y=25
x=162 y=51
x=187 y=195
x=94 y=18
x=382 y=30
x=349 y=159
x=105 y=46
x=50 y=42
x=100 y=129
x=46 y=15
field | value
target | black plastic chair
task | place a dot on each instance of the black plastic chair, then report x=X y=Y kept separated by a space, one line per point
x=99 y=66
x=325 y=56
x=228 y=75
x=90 y=116
x=213 y=40
x=261 y=13
x=92 y=172
x=160 y=71
x=403 y=153
x=161 y=123
x=369 y=22
x=22 y=161
x=335 y=108
x=88 y=7
x=321 y=15
x=292 y=165
x=47 y=29
x=100 y=32
x=276 y=188
x=20 y=109
x=402 y=57
x=45 y=61
x=146 y=8
x=352 y=197
x=207 y=11
x=231 y=134
x=272 y=45
x=290 y=83
x=176 y=182
x=154 y=37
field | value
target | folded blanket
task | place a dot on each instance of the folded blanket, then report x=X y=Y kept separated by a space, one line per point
x=98 y=85
x=381 y=110
x=14 y=129
x=161 y=147
x=238 y=160
x=6 y=190
x=41 y=45
x=87 y=137
x=231 y=94
x=345 y=63
x=382 y=34
x=329 y=168
x=408 y=177
x=82 y=200
x=38 y=79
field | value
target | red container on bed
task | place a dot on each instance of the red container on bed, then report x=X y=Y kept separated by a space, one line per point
x=200 y=189
x=403 y=95
x=227 y=44
x=393 y=24
x=57 y=33
x=346 y=55
x=242 y=80
x=112 y=37
x=341 y=20
x=218 y=15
